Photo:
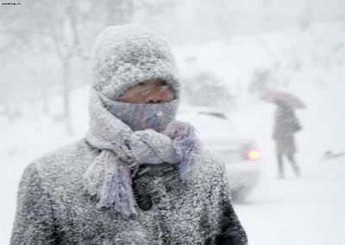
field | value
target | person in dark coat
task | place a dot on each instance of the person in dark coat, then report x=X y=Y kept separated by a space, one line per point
x=139 y=176
x=286 y=125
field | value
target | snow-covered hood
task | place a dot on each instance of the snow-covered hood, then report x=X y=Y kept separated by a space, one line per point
x=126 y=55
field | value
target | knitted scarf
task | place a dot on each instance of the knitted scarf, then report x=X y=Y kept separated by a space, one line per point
x=129 y=135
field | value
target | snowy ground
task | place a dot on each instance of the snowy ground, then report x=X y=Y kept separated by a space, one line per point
x=309 y=210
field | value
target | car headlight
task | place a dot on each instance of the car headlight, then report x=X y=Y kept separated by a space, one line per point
x=253 y=155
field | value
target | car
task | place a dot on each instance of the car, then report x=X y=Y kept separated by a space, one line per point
x=225 y=140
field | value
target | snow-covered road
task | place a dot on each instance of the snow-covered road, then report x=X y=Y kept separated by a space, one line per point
x=309 y=210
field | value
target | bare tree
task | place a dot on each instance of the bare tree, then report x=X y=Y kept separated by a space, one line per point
x=63 y=28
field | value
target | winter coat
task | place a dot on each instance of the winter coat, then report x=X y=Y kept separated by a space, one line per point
x=53 y=209
x=286 y=125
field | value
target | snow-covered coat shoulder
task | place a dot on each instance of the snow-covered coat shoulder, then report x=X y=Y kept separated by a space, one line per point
x=53 y=209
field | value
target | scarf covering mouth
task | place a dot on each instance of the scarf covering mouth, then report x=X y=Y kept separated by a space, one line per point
x=125 y=146
x=140 y=116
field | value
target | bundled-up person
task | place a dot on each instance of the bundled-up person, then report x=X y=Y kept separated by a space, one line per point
x=286 y=125
x=139 y=176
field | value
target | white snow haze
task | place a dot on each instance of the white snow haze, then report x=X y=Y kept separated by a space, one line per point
x=227 y=53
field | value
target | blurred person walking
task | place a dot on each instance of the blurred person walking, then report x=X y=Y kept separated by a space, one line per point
x=138 y=176
x=286 y=125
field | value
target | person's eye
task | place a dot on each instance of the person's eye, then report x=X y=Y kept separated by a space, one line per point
x=141 y=83
x=164 y=83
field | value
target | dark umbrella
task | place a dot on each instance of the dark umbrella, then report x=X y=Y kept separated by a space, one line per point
x=274 y=96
